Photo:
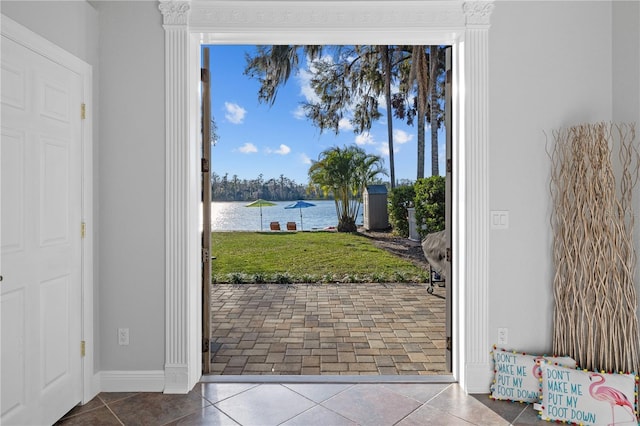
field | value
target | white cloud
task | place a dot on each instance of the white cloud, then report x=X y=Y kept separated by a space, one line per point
x=282 y=150
x=383 y=149
x=344 y=124
x=298 y=113
x=364 y=139
x=305 y=159
x=248 y=148
x=400 y=136
x=304 y=80
x=235 y=113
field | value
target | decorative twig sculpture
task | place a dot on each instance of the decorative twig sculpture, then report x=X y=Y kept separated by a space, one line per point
x=595 y=318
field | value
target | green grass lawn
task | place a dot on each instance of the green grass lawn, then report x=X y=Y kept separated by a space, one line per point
x=313 y=257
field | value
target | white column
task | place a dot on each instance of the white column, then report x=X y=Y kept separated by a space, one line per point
x=178 y=347
x=476 y=375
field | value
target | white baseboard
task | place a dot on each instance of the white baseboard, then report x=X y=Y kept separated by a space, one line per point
x=132 y=381
x=478 y=378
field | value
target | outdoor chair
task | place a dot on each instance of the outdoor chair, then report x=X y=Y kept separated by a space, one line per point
x=291 y=226
x=275 y=226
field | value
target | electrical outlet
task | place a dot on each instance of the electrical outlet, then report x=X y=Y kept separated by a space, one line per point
x=123 y=336
x=503 y=336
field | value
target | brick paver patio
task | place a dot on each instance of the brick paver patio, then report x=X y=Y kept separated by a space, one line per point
x=322 y=329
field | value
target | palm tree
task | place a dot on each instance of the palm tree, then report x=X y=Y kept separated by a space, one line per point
x=345 y=172
x=421 y=74
x=433 y=99
x=418 y=75
x=385 y=55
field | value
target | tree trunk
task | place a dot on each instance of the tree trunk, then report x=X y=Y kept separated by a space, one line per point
x=386 y=66
x=433 y=57
x=419 y=68
x=421 y=116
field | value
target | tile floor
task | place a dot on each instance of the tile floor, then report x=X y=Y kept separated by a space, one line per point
x=328 y=329
x=305 y=404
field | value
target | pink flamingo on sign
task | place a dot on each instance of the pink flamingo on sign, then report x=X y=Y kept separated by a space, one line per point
x=614 y=397
x=536 y=371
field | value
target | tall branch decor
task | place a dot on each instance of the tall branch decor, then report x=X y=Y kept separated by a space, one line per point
x=595 y=318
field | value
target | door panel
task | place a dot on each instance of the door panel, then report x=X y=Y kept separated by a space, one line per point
x=206 y=213
x=54 y=329
x=448 y=205
x=54 y=192
x=13 y=200
x=14 y=379
x=41 y=240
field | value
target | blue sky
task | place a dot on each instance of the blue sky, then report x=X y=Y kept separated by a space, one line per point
x=272 y=140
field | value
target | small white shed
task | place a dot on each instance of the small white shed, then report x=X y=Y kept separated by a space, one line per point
x=376 y=214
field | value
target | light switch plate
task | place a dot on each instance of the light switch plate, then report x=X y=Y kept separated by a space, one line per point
x=499 y=219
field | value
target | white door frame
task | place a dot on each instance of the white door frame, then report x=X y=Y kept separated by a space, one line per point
x=464 y=25
x=45 y=48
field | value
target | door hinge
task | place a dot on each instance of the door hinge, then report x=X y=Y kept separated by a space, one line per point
x=83 y=111
x=204 y=165
x=449 y=166
x=205 y=344
x=448 y=254
x=82 y=348
x=449 y=342
x=83 y=230
x=205 y=255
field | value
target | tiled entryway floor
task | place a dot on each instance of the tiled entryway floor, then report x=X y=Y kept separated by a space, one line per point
x=328 y=329
x=326 y=404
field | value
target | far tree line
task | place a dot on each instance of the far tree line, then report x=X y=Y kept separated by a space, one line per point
x=233 y=188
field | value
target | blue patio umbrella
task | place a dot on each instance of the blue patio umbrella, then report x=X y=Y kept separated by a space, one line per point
x=300 y=204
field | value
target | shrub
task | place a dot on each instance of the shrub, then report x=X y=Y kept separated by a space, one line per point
x=377 y=277
x=236 y=278
x=310 y=279
x=429 y=202
x=327 y=278
x=282 y=278
x=400 y=198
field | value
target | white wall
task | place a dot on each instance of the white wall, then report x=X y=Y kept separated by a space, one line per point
x=550 y=67
x=124 y=42
x=132 y=181
x=626 y=61
x=73 y=26
x=626 y=83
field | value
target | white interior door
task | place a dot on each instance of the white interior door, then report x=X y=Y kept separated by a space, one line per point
x=41 y=209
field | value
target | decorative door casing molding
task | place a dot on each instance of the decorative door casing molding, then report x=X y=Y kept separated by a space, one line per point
x=465 y=25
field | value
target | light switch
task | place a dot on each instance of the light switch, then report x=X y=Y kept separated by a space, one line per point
x=499 y=219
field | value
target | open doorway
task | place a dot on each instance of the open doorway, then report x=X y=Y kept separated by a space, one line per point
x=464 y=25
x=292 y=340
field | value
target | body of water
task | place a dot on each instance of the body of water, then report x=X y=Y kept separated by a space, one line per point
x=235 y=216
